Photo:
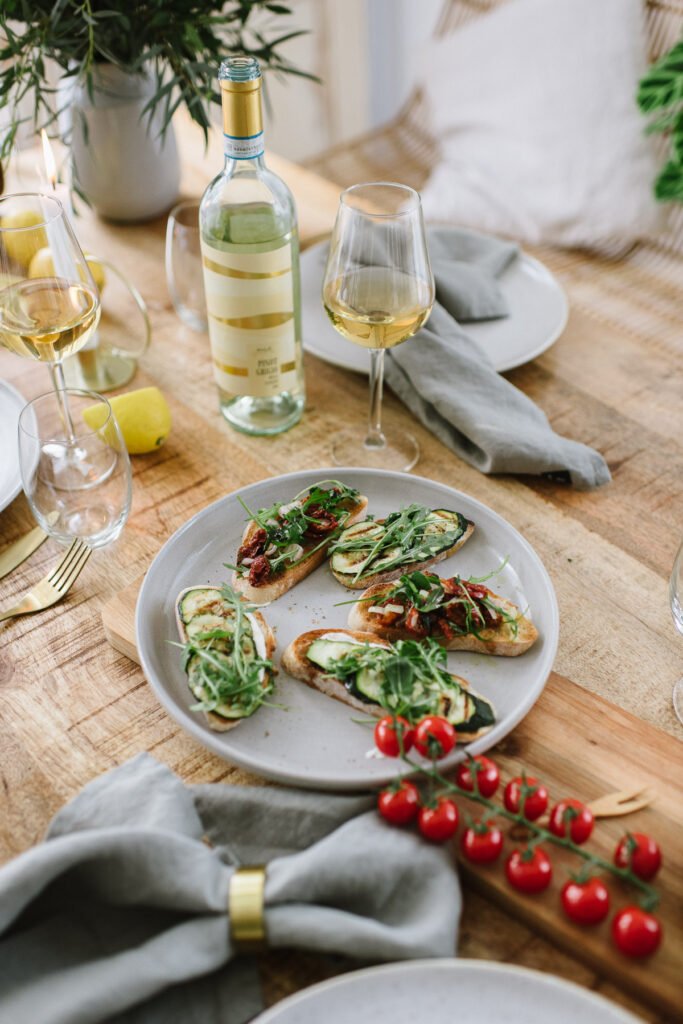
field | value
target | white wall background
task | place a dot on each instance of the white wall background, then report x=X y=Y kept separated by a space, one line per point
x=369 y=54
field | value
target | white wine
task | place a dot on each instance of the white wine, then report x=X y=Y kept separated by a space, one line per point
x=377 y=307
x=250 y=256
x=47 y=318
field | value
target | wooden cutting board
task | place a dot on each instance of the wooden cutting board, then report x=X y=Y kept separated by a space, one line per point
x=579 y=745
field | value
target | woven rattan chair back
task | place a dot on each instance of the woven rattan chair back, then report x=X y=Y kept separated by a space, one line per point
x=404 y=150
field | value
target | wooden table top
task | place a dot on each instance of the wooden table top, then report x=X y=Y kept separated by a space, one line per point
x=71 y=707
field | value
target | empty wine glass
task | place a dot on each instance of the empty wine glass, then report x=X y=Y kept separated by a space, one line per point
x=110 y=358
x=378 y=290
x=78 y=484
x=676 y=601
x=184 y=265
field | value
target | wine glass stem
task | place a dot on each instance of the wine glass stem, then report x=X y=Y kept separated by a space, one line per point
x=375 y=437
x=59 y=385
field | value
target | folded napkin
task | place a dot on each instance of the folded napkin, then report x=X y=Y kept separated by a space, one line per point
x=448 y=381
x=465 y=266
x=121 y=915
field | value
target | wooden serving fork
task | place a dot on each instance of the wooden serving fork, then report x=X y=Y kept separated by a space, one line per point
x=55 y=585
x=623 y=801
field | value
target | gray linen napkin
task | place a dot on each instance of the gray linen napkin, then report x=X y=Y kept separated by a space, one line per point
x=448 y=381
x=465 y=266
x=121 y=914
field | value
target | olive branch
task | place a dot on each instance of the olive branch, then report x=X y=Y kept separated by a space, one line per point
x=181 y=42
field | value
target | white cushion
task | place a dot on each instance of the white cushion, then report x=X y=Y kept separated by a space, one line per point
x=542 y=140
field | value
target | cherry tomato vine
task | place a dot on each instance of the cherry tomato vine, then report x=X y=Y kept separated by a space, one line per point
x=584 y=898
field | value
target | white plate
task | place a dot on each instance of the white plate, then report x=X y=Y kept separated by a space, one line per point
x=11 y=404
x=538 y=315
x=315 y=742
x=446 y=992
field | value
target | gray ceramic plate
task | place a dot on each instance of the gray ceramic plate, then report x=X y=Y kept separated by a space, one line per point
x=538 y=315
x=446 y=992
x=11 y=404
x=315 y=742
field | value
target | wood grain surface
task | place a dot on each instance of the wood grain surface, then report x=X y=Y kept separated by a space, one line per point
x=72 y=707
x=572 y=759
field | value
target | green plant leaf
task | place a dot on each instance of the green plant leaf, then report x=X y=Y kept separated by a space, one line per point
x=669 y=184
x=181 y=41
x=662 y=85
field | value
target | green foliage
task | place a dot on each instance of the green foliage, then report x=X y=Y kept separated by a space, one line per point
x=660 y=93
x=180 y=41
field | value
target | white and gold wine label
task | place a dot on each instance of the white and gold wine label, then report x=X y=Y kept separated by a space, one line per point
x=252 y=327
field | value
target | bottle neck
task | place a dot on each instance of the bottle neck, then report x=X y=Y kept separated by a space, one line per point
x=242 y=125
x=243 y=165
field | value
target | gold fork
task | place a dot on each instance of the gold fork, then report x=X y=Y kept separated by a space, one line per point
x=624 y=801
x=55 y=585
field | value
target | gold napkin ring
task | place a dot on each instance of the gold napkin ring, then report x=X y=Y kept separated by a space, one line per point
x=245 y=906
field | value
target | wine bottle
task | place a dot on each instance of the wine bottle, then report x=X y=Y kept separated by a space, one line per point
x=250 y=256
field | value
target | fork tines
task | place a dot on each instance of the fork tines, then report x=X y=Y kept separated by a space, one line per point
x=63 y=575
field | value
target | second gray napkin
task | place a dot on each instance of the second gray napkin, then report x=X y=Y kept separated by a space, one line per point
x=449 y=383
x=121 y=915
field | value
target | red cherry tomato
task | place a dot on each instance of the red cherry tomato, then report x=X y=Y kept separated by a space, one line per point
x=387 y=732
x=574 y=814
x=535 y=803
x=640 y=852
x=434 y=737
x=529 y=870
x=635 y=932
x=487 y=774
x=438 y=823
x=585 y=902
x=482 y=843
x=399 y=804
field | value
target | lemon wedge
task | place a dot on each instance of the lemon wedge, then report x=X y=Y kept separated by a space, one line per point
x=21 y=246
x=42 y=265
x=143 y=416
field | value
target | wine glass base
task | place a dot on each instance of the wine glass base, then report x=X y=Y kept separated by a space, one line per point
x=399 y=453
x=678 y=700
x=98 y=370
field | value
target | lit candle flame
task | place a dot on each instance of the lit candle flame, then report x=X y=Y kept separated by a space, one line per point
x=49 y=158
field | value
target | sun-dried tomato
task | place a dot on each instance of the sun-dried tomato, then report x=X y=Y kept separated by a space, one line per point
x=470 y=611
x=325 y=522
x=259 y=571
x=414 y=623
x=451 y=586
x=444 y=628
x=254 y=545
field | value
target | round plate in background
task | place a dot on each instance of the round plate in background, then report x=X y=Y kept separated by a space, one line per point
x=538 y=315
x=446 y=992
x=11 y=404
x=316 y=742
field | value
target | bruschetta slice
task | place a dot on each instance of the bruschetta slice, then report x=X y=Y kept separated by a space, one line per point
x=283 y=544
x=461 y=614
x=227 y=654
x=378 y=551
x=377 y=678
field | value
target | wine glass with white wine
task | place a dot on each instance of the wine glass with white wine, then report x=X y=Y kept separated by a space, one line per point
x=378 y=291
x=45 y=318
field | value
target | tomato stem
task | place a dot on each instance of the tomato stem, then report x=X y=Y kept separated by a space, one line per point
x=650 y=894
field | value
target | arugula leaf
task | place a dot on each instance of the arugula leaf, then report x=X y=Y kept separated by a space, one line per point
x=425 y=591
x=286 y=532
x=411 y=530
x=223 y=664
x=412 y=676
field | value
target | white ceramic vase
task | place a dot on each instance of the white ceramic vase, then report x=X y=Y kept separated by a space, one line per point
x=120 y=162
